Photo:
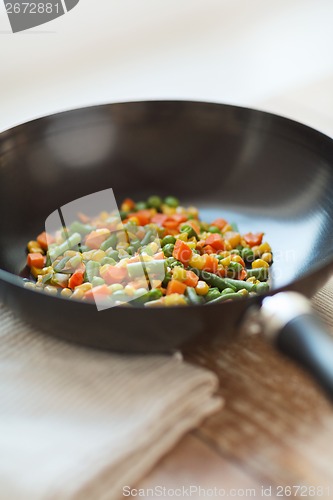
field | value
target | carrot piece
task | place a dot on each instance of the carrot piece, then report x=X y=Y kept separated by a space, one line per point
x=128 y=204
x=242 y=275
x=253 y=239
x=96 y=238
x=170 y=224
x=220 y=223
x=159 y=256
x=36 y=260
x=44 y=239
x=83 y=218
x=216 y=241
x=178 y=218
x=191 y=279
x=208 y=249
x=182 y=252
x=211 y=264
x=76 y=279
x=159 y=219
x=175 y=286
x=144 y=216
x=114 y=274
x=97 y=292
x=194 y=224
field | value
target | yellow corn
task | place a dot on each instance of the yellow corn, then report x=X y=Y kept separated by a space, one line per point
x=30 y=285
x=34 y=247
x=224 y=254
x=228 y=245
x=66 y=292
x=237 y=258
x=267 y=256
x=232 y=238
x=256 y=251
x=77 y=294
x=98 y=255
x=115 y=287
x=227 y=228
x=182 y=236
x=197 y=261
x=134 y=220
x=51 y=290
x=72 y=253
x=191 y=244
x=264 y=247
x=259 y=263
x=168 y=210
x=146 y=258
x=175 y=299
x=179 y=273
x=202 y=288
x=243 y=292
x=251 y=280
x=35 y=271
x=122 y=245
x=129 y=290
x=193 y=211
x=153 y=247
x=225 y=262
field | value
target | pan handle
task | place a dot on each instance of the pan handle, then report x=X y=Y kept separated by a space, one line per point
x=289 y=322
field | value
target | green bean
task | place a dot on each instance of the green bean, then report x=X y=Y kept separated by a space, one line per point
x=239 y=284
x=97 y=281
x=110 y=242
x=73 y=240
x=171 y=201
x=59 y=266
x=193 y=297
x=92 y=270
x=214 y=229
x=113 y=254
x=214 y=280
x=152 y=295
x=147 y=237
x=227 y=291
x=78 y=227
x=166 y=280
x=262 y=287
x=168 y=240
x=46 y=278
x=212 y=294
x=135 y=270
x=261 y=273
x=227 y=296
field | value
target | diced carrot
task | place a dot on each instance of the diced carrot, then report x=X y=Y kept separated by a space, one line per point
x=194 y=224
x=242 y=275
x=191 y=279
x=182 y=252
x=44 y=240
x=253 y=239
x=76 y=279
x=220 y=223
x=96 y=238
x=159 y=256
x=144 y=216
x=114 y=274
x=175 y=286
x=97 y=292
x=222 y=272
x=211 y=264
x=159 y=219
x=208 y=249
x=216 y=241
x=171 y=232
x=83 y=218
x=36 y=260
x=136 y=258
x=178 y=218
x=238 y=258
x=171 y=224
x=128 y=204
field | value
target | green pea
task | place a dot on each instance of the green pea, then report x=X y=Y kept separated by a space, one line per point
x=155 y=294
x=171 y=201
x=97 y=281
x=213 y=293
x=261 y=273
x=168 y=250
x=247 y=254
x=154 y=202
x=214 y=229
x=123 y=214
x=190 y=231
x=168 y=240
x=112 y=253
x=235 y=267
x=141 y=205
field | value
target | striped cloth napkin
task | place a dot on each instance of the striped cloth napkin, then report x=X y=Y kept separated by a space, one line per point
x=81 y=424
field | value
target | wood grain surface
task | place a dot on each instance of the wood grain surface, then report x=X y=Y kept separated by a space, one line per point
x=275 y=430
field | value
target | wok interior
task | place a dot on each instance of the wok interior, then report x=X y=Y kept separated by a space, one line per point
x=263 y=172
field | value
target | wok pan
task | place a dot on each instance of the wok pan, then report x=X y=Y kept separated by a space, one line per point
x=265 y=172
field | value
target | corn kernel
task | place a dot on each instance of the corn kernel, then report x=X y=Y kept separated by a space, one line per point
x=129 y=290
x=193 y=211
x=197 y=261
x=66 y=292
x=115 y=287
x=224 y=254
x=51 y=290
x=77 y=294
x=120 y=226
x=175 y=299
x=226 y=262
x=243 y=291
x=256 y=251
x=191 y=244
x=259 y=263
x=168 y=210
x=227 y=228
x=72 y=253
x=233 y=238
x=85 y=287
x=264 y=247
x=182 y=236
x=202 y=288
x=237 y=258
x=97 y=255
x=227 y=245
x=267 y=256
x=251 y=280
x=146 y=258
x=179 y=273
x=153 y=246
x=134 y=220
x=30 y=285
x=35 y=271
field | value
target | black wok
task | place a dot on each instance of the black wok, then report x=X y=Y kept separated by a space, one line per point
x=262 y=171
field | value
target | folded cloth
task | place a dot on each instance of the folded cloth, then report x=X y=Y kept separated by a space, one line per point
x=80 y=424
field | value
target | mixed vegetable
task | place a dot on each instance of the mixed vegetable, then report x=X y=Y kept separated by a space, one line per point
x=152 y=253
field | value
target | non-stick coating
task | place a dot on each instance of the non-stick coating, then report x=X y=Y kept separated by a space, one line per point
x=259 y=170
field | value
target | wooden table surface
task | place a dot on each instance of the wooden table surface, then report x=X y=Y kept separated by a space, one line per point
x=275 y=431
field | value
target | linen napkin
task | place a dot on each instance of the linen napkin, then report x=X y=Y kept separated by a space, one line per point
x=81 y=424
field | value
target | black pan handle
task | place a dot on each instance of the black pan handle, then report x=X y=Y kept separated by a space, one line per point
x=289 y=322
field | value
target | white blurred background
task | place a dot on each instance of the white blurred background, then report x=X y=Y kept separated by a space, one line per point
x=272 y=55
